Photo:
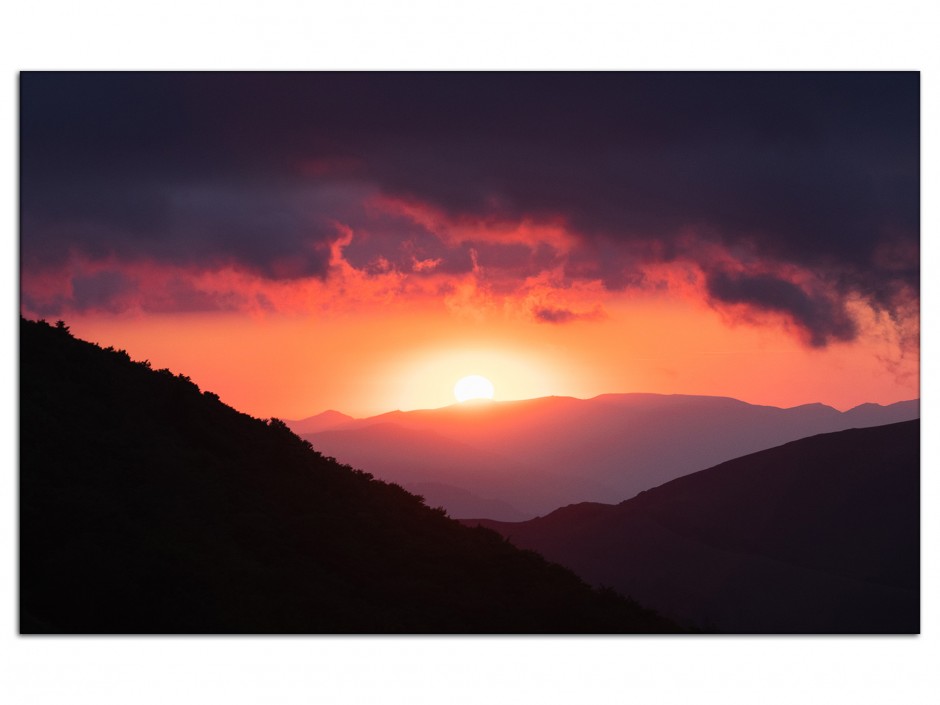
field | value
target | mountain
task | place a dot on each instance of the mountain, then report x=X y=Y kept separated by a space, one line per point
x=412 y=457
x=319 y=422
x=865 y=415
x=544 y=453
x=820 y=535
x=148 y=506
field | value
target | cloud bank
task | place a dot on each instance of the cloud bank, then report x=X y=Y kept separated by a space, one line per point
x=787 y=193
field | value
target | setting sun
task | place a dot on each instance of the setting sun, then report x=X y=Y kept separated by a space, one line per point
x=473 y=387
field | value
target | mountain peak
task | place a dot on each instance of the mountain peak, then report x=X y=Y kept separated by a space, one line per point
x=319 y=422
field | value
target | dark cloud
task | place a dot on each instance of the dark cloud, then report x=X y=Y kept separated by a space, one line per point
x=101 y=291
x=43 y=306
x=815 y=170
x=179 y=295
x=394 y=242
x=822 y=317
x=113 y=291
x=276 y=235
x=553 y=314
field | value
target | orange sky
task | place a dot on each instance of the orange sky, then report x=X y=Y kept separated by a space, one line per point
x=371 y=357
x=307 y=241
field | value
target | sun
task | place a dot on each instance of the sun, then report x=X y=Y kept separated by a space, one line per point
x=473 y=387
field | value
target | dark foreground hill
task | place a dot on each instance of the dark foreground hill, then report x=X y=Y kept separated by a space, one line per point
x=818 y=535
x=147 y=506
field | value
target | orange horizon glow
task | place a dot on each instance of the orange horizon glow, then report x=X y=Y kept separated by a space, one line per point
x=365 y=341
x=407 y=355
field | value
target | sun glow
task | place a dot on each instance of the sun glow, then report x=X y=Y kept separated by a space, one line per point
x=473 y=387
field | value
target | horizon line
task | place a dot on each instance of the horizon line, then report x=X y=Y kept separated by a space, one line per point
x=481 y=402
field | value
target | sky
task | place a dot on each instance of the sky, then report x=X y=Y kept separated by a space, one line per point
x=297 y=242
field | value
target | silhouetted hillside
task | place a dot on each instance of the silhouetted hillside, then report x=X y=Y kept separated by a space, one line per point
x=540 y=454
x=818 y=535
x=147 y=506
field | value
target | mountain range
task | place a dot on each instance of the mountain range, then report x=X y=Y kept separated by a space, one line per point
x=519 y=459
x=820 y=535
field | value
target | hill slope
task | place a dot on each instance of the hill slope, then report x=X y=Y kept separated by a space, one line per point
x=818 y=535
x=147 y=506
x=540 y=454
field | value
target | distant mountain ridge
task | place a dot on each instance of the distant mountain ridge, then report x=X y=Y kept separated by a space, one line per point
x=538 y=454
x=319 y=422
x=821 y=535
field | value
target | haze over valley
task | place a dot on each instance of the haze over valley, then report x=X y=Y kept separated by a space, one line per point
x=517 y=460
